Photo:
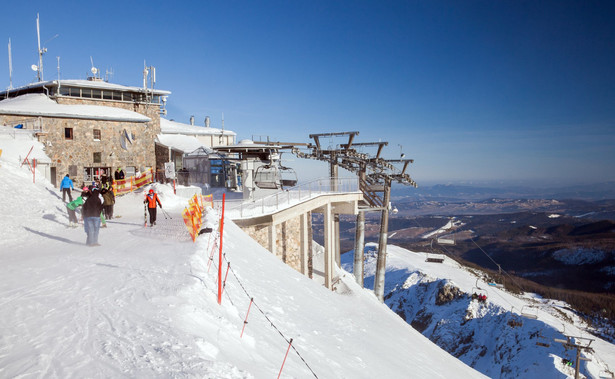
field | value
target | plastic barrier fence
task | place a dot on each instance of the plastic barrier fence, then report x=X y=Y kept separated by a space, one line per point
x=193 y=213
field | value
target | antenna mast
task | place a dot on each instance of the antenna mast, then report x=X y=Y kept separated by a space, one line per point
x=10 y=67
x=40 y=52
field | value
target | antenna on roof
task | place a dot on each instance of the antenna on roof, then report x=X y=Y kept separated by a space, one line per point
x=93 y=70
x=41 y=51
x=108 y=74
x=10 y=67
x=39 y=68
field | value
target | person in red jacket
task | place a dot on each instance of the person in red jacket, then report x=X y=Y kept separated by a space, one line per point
x=151 y=199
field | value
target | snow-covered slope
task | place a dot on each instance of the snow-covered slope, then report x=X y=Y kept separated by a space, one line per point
x=144 y=303
x=436 y=300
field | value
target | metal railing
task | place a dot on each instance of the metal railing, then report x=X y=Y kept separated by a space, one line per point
x=237 y=209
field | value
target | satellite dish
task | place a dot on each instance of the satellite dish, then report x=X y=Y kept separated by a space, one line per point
x=34 y=67
x=94 y=70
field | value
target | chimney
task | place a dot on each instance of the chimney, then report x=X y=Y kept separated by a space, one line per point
x=191 y=120
x=207 y=122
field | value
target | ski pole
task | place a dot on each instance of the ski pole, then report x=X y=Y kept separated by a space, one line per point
x=166 y=214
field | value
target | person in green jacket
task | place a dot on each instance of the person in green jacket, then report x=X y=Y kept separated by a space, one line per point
x=71 y=207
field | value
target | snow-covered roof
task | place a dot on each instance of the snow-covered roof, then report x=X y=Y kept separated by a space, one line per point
x=99 y=84
x=247 y=145
x=180 y=142
x=174 y=127
x=37 y=104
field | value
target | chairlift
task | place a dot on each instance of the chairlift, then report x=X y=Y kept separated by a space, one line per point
x=434 y=258
x=478 y=293
x=542 y=340
x=447 y=240
x=499 y=280
x=515 y=320
x=540 y=343
x=288 y=177
x=267 y=177
x=528 y=313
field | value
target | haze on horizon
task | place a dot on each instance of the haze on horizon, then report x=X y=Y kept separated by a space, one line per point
x=473 y=91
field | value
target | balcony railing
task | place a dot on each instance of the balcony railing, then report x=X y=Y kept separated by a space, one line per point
x=283 y=199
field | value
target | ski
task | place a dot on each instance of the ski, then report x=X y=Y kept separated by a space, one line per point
x=145 y=215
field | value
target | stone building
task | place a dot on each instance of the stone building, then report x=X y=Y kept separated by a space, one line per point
x=89 y=127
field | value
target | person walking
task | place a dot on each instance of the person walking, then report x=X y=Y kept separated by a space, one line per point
x=151 y=199
x=92 y=209
x=109 y=200
x=71 y=207
x=66 y=186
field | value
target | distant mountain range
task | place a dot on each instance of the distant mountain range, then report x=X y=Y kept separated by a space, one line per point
x=452 y=192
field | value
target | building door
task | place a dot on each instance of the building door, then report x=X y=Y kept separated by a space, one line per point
x=53 y=177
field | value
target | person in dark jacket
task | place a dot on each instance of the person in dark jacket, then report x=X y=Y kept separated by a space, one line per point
x=92 y=208
x=119 y=174
x=109 y=200
x=151 y=199
x=66 y=186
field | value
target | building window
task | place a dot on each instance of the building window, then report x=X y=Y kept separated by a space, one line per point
x=96 y=134
x=68 y=133
x=96 y=157
x=91 y=174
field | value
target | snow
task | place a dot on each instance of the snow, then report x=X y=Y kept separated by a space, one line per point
x=446 y=228
x=40 y=105
x=100 y=84
x=579 y=256
x=144 y=304
x=479 y=334
x=184 y=143
x=174 y=127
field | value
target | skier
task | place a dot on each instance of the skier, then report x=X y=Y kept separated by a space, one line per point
x=92 y=209
x=151 y=199
x=71 y=207
x=66 y=186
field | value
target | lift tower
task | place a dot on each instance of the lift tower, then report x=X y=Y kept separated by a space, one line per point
x=376 y=176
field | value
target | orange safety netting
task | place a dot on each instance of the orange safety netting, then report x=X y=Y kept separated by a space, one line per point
x=124 y=186
x=192 y=214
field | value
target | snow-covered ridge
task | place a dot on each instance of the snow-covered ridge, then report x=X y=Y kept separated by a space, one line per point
x=436 y=300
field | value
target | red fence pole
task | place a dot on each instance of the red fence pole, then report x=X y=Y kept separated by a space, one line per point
x=220 y=257
x=225 y=276
x=33 y=170
x=287 y=350
x=246 y=319
x=211 y=256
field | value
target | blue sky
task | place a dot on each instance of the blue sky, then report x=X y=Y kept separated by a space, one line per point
x=520 y=91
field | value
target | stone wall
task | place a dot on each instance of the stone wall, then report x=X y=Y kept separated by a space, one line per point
x=79 y=152
x=287 y=239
